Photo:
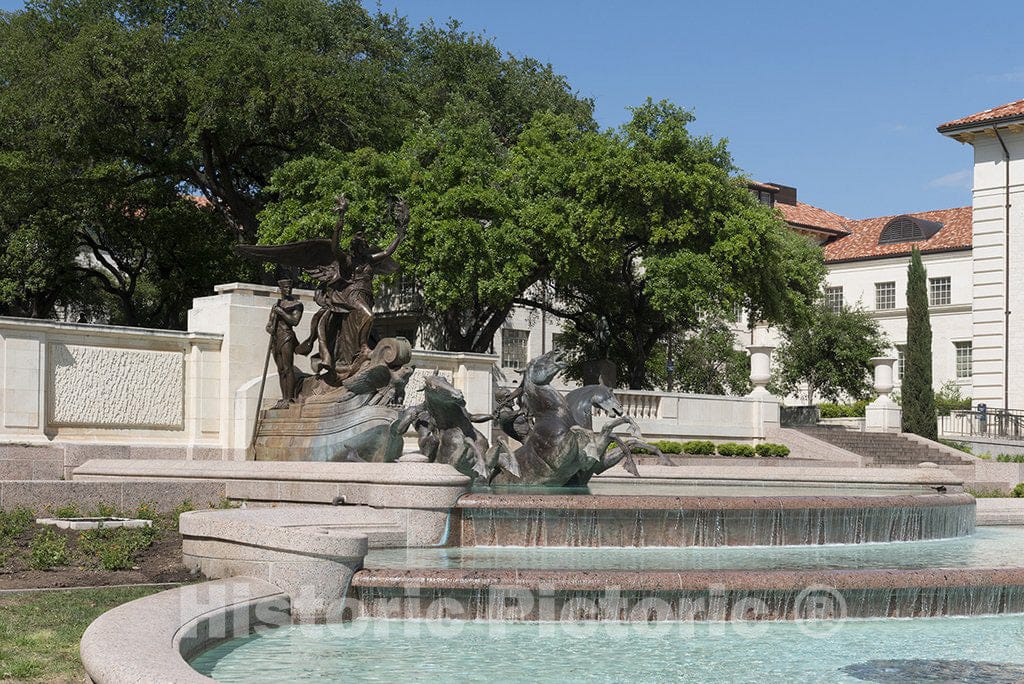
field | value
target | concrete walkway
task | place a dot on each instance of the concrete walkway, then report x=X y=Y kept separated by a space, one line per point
x=1000 y=511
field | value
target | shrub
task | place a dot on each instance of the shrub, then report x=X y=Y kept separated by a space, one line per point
x=48 y=550
x=949 y=398
x=1010 y=458
x=116 y=549
x=14 y=523
x=699 y=447
x=103 y=511
x=1018 y=491
x=68 y=511
x=185 y=507
x=771 y=449
x=669 y=447
x=854 y=410
x=734 y=449
x=960 y=446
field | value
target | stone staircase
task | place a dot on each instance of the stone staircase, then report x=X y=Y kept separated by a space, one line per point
x=886 y=449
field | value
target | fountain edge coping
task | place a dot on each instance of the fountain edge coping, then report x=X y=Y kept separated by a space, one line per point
x=688 y=580
x=668 y=502
x=150 y=639
x=926 y=475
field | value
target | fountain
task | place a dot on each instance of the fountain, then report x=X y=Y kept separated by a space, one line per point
x=551 y=522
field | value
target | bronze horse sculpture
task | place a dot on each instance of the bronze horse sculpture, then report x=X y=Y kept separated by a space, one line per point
x=582 y=402
x=558 y=449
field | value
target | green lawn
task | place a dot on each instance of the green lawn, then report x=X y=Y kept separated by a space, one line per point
x=39 y=631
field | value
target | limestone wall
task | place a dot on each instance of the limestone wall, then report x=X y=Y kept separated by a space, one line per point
x=81 y=382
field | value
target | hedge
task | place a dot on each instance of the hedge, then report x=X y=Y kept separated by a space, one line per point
x=854 y=410
x=772 y=450
x=734 y=449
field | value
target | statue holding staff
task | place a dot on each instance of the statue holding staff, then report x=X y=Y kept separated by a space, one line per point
x=284 y=316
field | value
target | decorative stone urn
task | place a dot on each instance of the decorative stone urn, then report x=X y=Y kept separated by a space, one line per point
x=883 y=414
x=760 y=369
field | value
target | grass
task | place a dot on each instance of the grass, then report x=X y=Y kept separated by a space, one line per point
x=40 y=631
x=987 y=493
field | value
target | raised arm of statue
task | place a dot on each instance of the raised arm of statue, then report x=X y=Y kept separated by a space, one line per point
x=341 y=204
x=400 y=212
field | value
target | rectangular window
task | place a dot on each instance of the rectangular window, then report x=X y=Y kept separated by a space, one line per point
x=901 y=361
x=513 y=347
x=885 y=295
x=939 y=291
x=834 y=298
x=737 y=313
x=964 y=359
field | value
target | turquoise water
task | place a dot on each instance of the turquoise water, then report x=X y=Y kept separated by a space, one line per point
x=934 y=649
x=988 y=547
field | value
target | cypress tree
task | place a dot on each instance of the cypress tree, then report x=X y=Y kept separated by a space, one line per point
x=918 y=398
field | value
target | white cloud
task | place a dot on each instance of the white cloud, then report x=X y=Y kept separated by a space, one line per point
x=1015 y=76
x=957 y=179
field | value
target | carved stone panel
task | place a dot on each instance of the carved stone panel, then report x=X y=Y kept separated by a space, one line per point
x=112 y=387
x=414 y=390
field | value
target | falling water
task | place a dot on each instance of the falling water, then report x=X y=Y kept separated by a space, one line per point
x=774 y=526
x=716 y=604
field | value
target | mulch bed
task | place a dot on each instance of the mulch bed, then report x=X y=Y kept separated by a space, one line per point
x=158 y=563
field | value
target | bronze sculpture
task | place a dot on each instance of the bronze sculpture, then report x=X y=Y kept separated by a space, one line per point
x=341 y=328
x=558 y=450
x=447 y=435
x=284 y=316
x=355 y=386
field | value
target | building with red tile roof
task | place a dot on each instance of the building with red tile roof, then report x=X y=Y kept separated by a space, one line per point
x=1001 y=115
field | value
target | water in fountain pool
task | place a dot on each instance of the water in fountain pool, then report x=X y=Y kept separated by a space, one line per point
x=987 y=649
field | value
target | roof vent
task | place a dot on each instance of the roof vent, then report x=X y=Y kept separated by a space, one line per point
x=908 y=229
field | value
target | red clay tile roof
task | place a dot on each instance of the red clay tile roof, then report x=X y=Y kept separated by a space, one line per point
x=862 y=242
x=807 y=216
x=1013 y=110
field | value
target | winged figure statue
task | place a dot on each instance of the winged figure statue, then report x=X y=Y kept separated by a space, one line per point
x=341 y=328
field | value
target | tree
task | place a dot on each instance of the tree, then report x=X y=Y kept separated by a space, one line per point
x=483 y=231
x=830 y=354
x=211 y=95
x=211 y=98
x=671 y=237
x=916 y=394
x=704 y=361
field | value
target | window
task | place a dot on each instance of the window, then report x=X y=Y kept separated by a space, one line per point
x=765 y=197
x=737 y=313
x=964 y=359
x=834 y=298
x=885 y=295
x=901 y=361
x=939 y=291
x=406 y=289
x=907 y=229
x=513 y=347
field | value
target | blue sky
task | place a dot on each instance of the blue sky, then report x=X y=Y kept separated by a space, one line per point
x=838 y=99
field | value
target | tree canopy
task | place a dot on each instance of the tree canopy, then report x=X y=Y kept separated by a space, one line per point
x=829 y=355
x=140 y=138
x=209 y=98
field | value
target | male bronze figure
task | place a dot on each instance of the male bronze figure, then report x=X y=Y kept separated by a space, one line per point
x=284 y=316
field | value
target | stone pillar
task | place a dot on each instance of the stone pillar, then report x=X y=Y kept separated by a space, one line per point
x=883 y=414
x=766 y=413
